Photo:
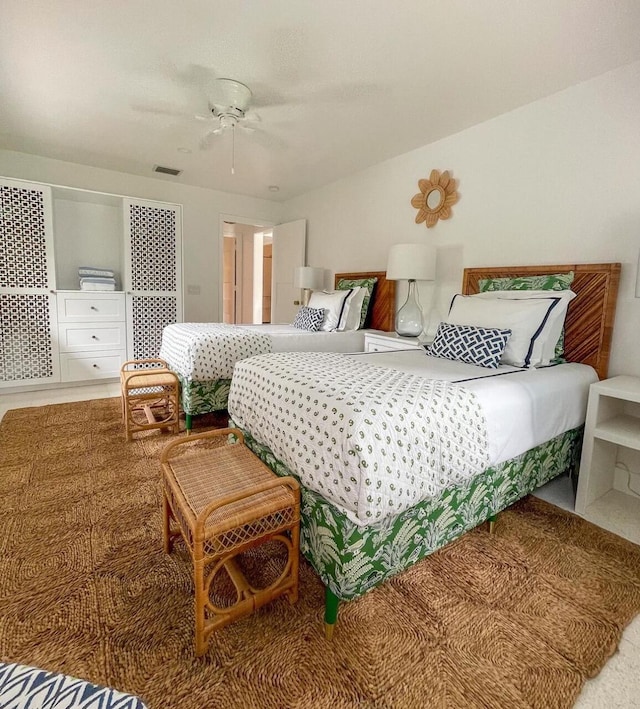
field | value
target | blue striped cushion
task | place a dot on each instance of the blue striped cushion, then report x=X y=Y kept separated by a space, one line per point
x=466 y=343
x=24 y=687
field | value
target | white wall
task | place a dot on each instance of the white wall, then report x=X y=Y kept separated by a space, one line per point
x=201 y=217
x=557 y=181
x=72 y=223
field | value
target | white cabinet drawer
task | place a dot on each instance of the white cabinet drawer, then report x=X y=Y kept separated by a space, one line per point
x=82 y=366
x=90 y=337
x=75 y=306
x=378 y=347
x=388 y=343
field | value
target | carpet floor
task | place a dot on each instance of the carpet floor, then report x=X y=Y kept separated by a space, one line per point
x=517 y=619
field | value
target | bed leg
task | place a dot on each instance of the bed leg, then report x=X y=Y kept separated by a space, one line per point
x=188 y=423
x=492 y=523
x=331 y=602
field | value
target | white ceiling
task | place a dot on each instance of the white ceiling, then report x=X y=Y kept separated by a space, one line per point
x=339 y=84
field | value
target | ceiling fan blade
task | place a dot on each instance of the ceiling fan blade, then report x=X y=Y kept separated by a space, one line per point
x=160 y=111
x=252 y=116
x=209 y=139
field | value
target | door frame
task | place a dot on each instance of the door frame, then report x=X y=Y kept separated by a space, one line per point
x=253 y=221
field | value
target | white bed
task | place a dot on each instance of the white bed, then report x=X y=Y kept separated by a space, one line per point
x=374 y=436
x=203 y=355
x=394 y=464
x=202 y=352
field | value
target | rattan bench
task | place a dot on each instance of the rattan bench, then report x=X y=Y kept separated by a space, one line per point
x=150 y=396
x=224 y=500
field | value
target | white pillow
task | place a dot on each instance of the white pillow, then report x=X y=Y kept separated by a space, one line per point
x=350 y=319
x=525 y=319
x=553 y=327
x=333 y=303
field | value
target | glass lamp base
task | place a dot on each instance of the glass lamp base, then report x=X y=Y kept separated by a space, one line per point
x=409 y=317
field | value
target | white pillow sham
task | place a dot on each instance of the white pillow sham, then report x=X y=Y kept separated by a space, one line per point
x=333 y=304
x=555 y=322
x=352 y=311
x=525 y=318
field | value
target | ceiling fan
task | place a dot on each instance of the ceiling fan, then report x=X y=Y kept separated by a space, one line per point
x=229 y=109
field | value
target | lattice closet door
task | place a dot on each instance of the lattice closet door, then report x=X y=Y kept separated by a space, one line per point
x=153 y=273
x=28 y=322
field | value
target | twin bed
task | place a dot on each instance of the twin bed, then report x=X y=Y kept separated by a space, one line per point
x=203 y=354
x=400 y=453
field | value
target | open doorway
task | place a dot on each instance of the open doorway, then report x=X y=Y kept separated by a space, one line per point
x=246 y=273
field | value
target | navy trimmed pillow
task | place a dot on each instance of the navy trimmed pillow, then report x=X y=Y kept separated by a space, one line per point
x=309 y=318
x=466 y=343
x=369 y=284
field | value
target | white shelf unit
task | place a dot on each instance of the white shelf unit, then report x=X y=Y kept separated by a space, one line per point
x=613 y=421
x=53 y=333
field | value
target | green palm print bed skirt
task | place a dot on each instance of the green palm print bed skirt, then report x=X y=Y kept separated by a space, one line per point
x=351 y=559
x=203 y=397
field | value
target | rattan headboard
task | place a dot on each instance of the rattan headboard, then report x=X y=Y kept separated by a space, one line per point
x=591 y=313
x=382 y=312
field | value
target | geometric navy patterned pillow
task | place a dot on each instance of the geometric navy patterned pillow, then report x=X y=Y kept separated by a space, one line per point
x=22 y=686
x=466 y=343
x=309 y=318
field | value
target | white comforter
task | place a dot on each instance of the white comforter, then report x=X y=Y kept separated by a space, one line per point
x=377 y=433
x=204 y=352
x=209 y=351
x=372 y=440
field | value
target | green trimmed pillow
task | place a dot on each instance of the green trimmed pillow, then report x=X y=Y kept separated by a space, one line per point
x=551 y=282
x=554 y=281
x=369 y=284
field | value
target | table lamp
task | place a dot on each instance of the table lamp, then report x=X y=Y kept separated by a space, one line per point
x=411 y=262
x=308 y=278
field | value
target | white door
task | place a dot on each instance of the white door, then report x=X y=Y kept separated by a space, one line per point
x=288 y=253
x=229 y=279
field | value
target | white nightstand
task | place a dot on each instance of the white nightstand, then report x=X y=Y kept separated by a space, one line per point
x=388 y=341
x=613 y=419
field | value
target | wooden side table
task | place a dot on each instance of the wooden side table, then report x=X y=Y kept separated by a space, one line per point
x=225 y=501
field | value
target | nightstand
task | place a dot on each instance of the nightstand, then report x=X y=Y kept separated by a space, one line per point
x=613 y=420
x=388 y=341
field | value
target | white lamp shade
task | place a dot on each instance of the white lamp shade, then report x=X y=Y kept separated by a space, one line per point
x=308 y=277
x=411 y=262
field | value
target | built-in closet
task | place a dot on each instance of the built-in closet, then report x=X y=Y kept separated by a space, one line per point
x=50 y=330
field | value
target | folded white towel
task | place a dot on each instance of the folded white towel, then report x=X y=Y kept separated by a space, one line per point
x=91 y=271
x=97 y=286
x=97 y=279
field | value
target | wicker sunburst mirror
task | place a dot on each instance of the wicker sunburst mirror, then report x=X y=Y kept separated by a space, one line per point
x=435 y=198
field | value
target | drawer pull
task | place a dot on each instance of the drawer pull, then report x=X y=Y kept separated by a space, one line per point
x=95 y=366
x=93 y=307
x=94 y=337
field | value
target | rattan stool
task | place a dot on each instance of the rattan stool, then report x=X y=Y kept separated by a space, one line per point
x=150 y=397
x=225 y=501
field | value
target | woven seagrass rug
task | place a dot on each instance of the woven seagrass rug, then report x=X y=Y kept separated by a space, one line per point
x=518 y=619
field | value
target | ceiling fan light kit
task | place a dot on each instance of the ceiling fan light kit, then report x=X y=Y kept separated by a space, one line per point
x=228 y=104
x=232 y=94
